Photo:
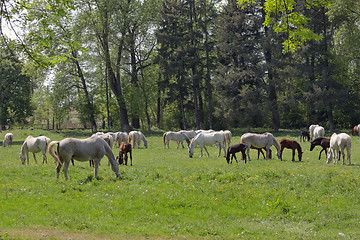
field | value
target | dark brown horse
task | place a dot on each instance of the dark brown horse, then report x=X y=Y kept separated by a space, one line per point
x=355 y=131
x=305 y=135
x=125 y=148
x=323 y=142
x=291 y=144
x=260 y=151
x=241 y=147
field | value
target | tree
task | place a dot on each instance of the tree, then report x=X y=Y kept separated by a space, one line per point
x=15 y=90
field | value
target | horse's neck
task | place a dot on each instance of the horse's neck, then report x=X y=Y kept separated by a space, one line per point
x=24 y=148
x=276 y=144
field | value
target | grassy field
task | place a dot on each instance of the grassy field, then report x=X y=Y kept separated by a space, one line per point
x=167 y=195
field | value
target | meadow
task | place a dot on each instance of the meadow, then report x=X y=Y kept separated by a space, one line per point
x=167 y=195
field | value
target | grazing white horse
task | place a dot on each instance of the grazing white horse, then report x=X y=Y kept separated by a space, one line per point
x=204 y=139
x=135 y=138
x=311 y=130
x=8 y=140
x=121 y=137
x=338 y=143
x=179 y=137
x=319 y=131
x=34 y=145
x=93 y=148
x=265 y=140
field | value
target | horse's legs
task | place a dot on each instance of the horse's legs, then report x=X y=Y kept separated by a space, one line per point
x=27 y=156
x=235 y=158
x=44 y=157
x=178 y=143
x=126 y=159
x=243 y=155
x=66 y=166
x=321 y=152
x=293 y=155
x=58 y=168
x=35 y=158
x=343 y=156
x=131 y=157
x=201 y=151
x=248 y=153
x=97 y=163
x=208 y=152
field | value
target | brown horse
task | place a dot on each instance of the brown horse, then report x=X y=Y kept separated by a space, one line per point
x=355 y=131
x=323 y=142
x=125 y=148
x=291 y=144
x=234 y=149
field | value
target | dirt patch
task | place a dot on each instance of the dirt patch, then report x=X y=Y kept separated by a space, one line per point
x=44 y=234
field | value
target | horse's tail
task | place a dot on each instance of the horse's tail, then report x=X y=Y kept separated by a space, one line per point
x=55 y=155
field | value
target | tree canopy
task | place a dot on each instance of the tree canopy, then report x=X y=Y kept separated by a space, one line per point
x=182 y=63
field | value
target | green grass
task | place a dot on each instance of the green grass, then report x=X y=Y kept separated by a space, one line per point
x=166 y=194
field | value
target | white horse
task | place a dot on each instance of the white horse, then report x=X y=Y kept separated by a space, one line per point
x=311 y=130
x=265 y=140
x=189 y=133
x=121 y=137
x=8 y=140
x=135 y=138
x=204 y=131
x=204 y=139
x=338 y=143
x=228 y=136
x=108 y=137
x=34 y=145
x=319 y=131
x=93 y=148
x=179 y=137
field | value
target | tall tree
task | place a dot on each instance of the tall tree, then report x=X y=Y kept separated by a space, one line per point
x=15 y=90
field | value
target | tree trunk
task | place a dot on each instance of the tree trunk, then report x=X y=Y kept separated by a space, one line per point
x=114 y=80
x=89 y=103
x=272 y=86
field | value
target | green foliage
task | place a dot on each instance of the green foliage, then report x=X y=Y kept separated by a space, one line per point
x=165 y=194
x=284 y=17
x=15 y=90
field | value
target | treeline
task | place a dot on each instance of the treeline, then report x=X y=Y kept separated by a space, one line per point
x=189 y=64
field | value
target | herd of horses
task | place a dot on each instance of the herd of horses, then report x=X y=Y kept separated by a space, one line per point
x=94 y=148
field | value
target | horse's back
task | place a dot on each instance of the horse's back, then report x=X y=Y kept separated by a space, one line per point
x=257 y=140
x=83 y=149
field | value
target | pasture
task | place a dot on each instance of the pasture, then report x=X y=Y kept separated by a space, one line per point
x=167 y=195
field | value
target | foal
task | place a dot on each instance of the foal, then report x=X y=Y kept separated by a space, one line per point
x=305 y=135
x=291 y=144
x=323 y=142
x=125 y=148
x=241 y=147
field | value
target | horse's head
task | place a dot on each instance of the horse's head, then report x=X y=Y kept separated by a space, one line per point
x=278 y=155
x=227 y=157
x=191 y=150
x=22 y=158
x=145 y=143
x=312 y=145
x=329 y=156
x=300 y=155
